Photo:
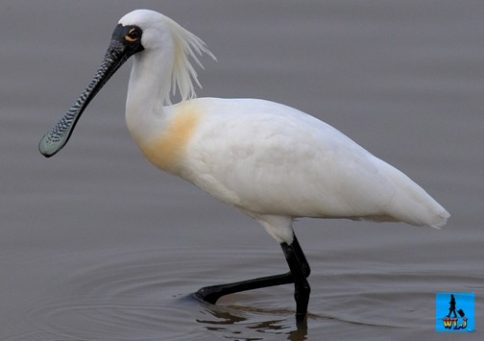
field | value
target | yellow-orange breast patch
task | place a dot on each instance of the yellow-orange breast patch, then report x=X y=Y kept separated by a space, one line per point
x=167 y=150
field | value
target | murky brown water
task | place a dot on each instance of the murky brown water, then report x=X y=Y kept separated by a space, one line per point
x=95 y=244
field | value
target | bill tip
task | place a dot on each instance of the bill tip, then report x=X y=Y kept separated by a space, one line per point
x=46 y=147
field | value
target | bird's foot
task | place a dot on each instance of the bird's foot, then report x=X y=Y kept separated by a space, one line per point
x=210 y=294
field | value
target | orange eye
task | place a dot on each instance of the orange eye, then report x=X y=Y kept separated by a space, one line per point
x=133 y=35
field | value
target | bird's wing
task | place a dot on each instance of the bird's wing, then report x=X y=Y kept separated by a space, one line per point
x=268 y=158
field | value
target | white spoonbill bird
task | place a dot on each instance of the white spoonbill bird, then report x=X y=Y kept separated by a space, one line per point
x=271 y=161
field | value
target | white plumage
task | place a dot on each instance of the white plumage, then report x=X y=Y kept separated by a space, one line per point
x=271 y=161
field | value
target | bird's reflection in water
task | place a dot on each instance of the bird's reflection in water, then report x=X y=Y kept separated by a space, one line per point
x=224 y=318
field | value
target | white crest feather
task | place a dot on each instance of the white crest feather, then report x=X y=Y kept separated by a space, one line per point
x=188 y=48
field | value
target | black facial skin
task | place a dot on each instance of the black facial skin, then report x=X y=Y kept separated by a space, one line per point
x=130 y=36
x=125 y=41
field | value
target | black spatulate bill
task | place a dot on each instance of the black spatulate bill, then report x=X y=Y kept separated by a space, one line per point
x=120 y=49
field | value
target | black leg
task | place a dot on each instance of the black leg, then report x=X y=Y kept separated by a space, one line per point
x=212 y=293
x=299 y=271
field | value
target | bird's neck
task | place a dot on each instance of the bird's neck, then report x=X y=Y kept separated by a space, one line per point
x=149 y=86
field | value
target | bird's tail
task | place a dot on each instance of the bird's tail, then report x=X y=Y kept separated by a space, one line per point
x=412 y=204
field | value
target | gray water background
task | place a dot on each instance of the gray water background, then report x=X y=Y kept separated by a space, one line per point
x=96 y=244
